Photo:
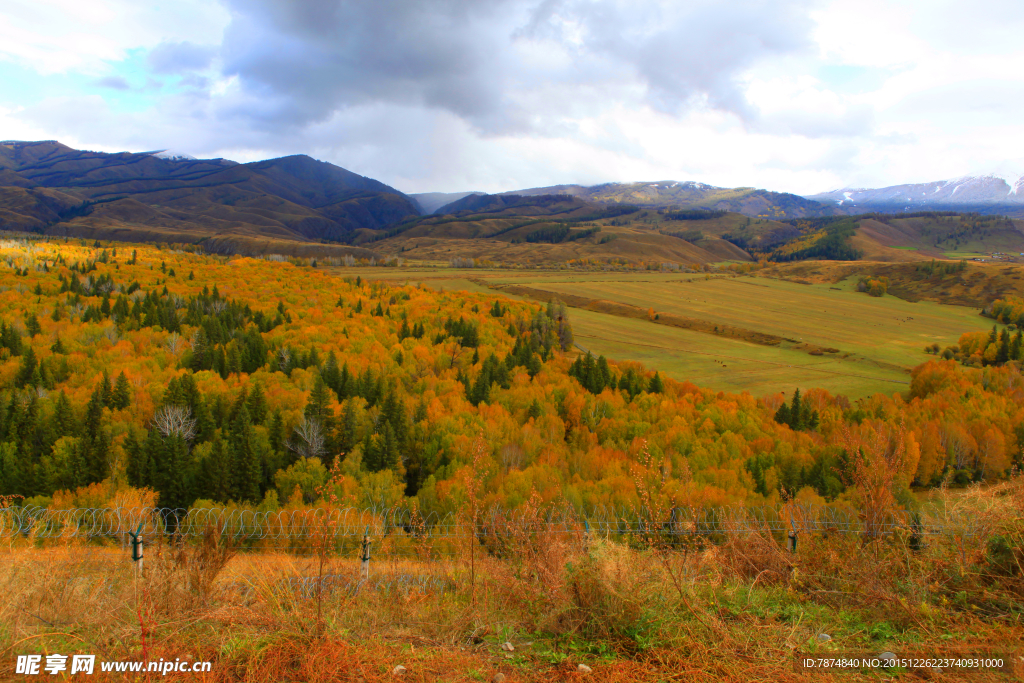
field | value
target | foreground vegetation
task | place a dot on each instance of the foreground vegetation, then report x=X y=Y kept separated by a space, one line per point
x=640 y=608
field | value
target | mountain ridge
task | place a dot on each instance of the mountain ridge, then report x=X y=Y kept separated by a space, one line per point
x=668 y=194
x=989 y=191
x=49 y=187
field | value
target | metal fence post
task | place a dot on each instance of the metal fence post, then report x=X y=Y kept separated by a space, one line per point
x=792 y=534
x=137 y=546
x=365 y=556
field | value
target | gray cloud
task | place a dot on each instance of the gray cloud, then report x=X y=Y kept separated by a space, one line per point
x=175 y=58
x=504 y=66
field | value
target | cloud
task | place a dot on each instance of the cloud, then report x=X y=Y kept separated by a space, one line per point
x=496 y=63
x=794 y=95
x=175 y=58
x=114 y=82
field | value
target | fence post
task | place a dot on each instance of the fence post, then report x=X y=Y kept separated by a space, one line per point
x=365 y=557
x=137 y=546
x=792 y=534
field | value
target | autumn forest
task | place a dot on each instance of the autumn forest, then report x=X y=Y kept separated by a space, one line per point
x=184 y=379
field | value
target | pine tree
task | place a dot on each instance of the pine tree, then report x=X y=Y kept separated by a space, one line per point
x=27 y=370
x=388 y=456
x=796 y=416
x=58 y=346
x=257 y=404
x=656 y=386
x=122 y=397
x=1003 y=354
x=247 y=467
x=62 y=422
x=276 y=432
x=32 y=325
x=371 y=453
x=347 y=436
x=216 y=469
x=782 y=414
x=202 y=359
x=332 y=374
x=533 y=366
x=535 y=410
x=137 y=465
x=106 y=391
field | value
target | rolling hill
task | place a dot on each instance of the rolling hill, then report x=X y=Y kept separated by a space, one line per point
x=49 y=187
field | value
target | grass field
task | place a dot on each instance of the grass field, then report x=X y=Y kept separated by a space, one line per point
x=739 y=607
x=879 y=339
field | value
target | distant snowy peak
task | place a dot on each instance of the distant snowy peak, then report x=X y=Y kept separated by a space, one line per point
x=173 y=156
x=991 y=188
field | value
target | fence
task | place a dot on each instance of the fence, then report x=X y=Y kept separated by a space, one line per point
x=407 y=528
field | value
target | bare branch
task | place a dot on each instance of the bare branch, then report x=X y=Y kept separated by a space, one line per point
x=175 y=421
x=308 y=441
x=173 y=342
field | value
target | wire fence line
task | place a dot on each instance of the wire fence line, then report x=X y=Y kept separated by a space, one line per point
x=348 y=527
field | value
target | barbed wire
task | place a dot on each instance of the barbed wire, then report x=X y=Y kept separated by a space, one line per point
x=243 y=525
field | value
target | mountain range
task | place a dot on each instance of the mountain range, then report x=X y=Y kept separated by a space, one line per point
x=991 y=193
x=298 y=205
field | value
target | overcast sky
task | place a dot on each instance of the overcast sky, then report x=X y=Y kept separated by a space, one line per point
x=446 y=95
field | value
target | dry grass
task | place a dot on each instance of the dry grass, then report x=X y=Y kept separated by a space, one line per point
x=737 y=609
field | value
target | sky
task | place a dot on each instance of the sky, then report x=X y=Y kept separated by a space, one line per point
x=796 y=96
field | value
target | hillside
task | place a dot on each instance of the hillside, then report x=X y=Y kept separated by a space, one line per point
x=668 y=193
x=562 y=228
x=430 y=202
x=53 y=189
x=927 y=235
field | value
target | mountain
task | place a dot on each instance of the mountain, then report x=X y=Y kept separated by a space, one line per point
x=520 y=205
x=990 y=193
x=49 y=187
x=430 y=202
x=671 y=193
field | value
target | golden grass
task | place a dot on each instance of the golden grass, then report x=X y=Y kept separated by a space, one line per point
x=737 y=609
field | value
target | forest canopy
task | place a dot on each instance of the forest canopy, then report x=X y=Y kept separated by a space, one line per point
x=256 y=382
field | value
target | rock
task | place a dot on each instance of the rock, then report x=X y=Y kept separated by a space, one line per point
x=398 y=670
x=887 y=657
x=824 y=637
x=498 y=678
x=584 y=669
x=508 y=647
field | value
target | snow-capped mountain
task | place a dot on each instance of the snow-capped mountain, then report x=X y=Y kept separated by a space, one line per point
x=173 y=156
x=970 y=190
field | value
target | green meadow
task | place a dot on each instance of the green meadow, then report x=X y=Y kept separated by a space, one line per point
x=879 y=339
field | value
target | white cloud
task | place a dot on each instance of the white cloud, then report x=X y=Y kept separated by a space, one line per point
x=53 y=36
